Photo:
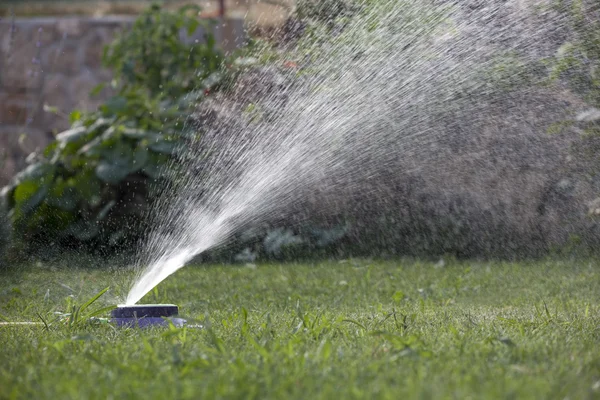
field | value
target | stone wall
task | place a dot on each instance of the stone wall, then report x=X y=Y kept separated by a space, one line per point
x=48 y=66
x=47 y=63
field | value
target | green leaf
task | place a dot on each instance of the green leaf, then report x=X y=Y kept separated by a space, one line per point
x=50 y=151
x=114 y=105
x=87 y=185
x=25 y=190
x=92 y=148
x=109 y=133
x=75 y=116
x=112 y=173
x=192 y=26
x=63 y=196
x=101 y=123
x=32 y=186
x=34 y=172
x=140 y=157
x=154 y=170
x=97 y=89
x=105 y=210
x=7 y=200
x=163 y=146
x=72 y=135
x=29 y=195
x=117 y=150
x=133 y=133
x=82 y=230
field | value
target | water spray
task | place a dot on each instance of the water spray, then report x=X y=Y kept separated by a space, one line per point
x=376 y=97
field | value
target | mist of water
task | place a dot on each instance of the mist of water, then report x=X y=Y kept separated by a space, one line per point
x=373 y=93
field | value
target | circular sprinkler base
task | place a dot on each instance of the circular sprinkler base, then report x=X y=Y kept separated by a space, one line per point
x=145 y=315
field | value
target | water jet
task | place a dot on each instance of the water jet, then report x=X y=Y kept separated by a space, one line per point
x=406 y=92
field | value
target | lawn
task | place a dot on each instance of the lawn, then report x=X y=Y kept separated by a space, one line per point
x=350 y=329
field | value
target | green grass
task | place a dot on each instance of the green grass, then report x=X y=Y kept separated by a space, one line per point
x=355 y=329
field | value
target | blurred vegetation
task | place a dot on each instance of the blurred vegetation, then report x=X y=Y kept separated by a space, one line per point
x=577 y=64
x=578 y=59
x=93 y=184
x=83 y=7
x=153 y=56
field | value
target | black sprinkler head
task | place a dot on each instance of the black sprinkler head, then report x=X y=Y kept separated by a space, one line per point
x=143 y=315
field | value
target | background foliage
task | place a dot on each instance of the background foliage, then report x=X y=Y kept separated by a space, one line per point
x=577 y=65
x=154 y=56
x=578 y=59
x=93 y=184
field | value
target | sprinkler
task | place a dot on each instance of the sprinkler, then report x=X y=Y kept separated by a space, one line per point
x=143 y=315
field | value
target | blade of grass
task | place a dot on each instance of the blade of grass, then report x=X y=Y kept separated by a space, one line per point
x=43 y=320
x=355 y=323
x=100 y=311
x=93 y=299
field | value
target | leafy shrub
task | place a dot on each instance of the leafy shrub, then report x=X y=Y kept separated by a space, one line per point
x=94 y=172
x=154 y=56
x=578 y=60
x=577 y=63
x=94 y=182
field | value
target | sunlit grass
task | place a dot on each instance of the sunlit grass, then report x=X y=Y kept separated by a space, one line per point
x=354 y=329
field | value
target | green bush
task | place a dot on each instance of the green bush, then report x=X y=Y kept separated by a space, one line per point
x=577 y=64
x=578 y=59
x=152 y=54
x=94 y=183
